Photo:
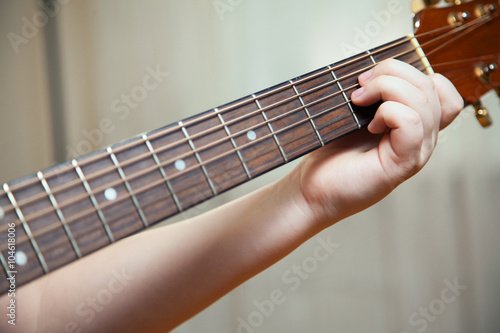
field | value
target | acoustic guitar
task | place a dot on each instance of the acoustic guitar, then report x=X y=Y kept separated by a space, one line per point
x=61 y=214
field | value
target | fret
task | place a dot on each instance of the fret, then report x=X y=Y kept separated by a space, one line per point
x=75 y=204
x=180 y=166
x=94 y=200
x=349 y=82
x=345 y=96
x=320 y=139
x=4 y=283
x=197 y=156
x=405 y=51
x=59 y=214
x=31 y=267
x=290 y=122
x=162 y=172
x=112 y=196
x=45 y=224
x=270 y=128
x=265 y=154
x=3 y=262
x=26 y=228
x=234 y=144
x=326 y=104
x=371 y=57
x=216 y=153
x=127 y=186
x=154 y=197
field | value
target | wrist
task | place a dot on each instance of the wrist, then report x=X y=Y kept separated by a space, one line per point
x=299 y=213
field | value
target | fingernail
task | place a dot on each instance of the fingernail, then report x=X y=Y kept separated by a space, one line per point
x=358 y=92
x=365 y=76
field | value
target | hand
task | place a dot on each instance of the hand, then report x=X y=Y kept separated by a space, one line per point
x=360 y=169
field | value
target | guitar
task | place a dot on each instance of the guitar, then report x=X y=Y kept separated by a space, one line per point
x=61 y=214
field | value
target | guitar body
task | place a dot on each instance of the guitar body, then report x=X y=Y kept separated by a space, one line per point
x=188 y=93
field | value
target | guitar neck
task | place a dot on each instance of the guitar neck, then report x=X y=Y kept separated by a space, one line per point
x=58 y=215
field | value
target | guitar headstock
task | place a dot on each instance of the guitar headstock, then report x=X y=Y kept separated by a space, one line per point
x=462 y=42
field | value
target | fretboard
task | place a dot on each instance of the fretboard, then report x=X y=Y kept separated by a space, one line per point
x=61 y=214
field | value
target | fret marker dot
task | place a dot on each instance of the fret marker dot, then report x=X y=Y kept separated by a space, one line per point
x=110 y=194
x=251 y=135
x=2 y=213
x=180 y=165
x=21 y=258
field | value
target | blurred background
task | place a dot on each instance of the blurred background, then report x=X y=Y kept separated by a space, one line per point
x=424 y=259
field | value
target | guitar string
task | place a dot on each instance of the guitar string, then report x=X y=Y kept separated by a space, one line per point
x=161 y=181
x=286 y=86
x=153 y=168
x=158 y=133
x=212 y=129
x=294 y=124
x=191 y=152
x=200 y=134
x=25 y=239
x=298 y=109
x=56 y=225
x=464 y=72
x=293 y=97
x=468 y=60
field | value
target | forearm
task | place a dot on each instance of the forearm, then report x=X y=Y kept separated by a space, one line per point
x=157 y=279
x=170 y=273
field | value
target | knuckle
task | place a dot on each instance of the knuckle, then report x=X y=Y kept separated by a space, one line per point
x=429 y=85
x=422 y=98
x=413 y=119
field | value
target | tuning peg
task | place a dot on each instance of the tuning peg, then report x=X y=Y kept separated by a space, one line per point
x=456 y=2
x=418 y=5
x=430 y=3
x=458 y=18
x=482 y=115
x=487 y=9
x=483 y=72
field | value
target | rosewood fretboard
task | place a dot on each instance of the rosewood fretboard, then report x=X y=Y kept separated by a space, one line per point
x=71 y=210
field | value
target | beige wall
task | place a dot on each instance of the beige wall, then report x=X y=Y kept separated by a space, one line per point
x=391 y=260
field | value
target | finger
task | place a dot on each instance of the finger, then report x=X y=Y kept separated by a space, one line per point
x=410 y=74
x=398 y=68
x=450 y=100
x=392 y=88
x=388 y=88
x=400 y=151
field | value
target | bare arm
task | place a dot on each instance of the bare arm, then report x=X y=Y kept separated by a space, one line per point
x=156 y=280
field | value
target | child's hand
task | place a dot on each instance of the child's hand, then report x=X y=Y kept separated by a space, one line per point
x=357 y=171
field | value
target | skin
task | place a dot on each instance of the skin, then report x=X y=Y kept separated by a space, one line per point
x=227 y=246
